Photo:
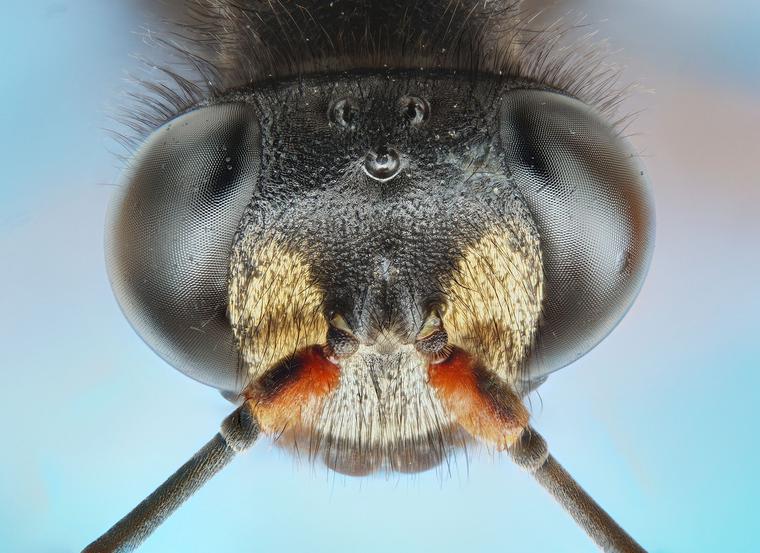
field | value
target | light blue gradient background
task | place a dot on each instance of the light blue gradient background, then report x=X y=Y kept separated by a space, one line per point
x=658 y=422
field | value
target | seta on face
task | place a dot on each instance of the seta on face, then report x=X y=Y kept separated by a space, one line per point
x=383 y=261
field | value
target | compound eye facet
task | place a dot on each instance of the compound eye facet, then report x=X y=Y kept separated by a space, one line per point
x=589 y=197
x=169 y=234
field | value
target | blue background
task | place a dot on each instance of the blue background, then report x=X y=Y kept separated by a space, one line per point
x=658 y=422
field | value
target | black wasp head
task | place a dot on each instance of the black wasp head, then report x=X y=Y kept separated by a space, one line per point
x=392 y=196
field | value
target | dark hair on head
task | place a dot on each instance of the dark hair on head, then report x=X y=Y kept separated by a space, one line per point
x=223 y=45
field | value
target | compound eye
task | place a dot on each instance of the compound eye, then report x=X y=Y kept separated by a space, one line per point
x=590 y=200
x=169 y=234
x=344 y=113
x=414 y=109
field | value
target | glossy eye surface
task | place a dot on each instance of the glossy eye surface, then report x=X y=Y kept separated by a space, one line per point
x=170 y=231
x=414 y=109
x=589 y=197
x=344 y=113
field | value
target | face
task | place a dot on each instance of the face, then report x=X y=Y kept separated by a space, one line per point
x=323 y=248
x=384 y=228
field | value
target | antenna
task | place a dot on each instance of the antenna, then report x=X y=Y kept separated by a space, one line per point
x=531 y=453
x=239 y=432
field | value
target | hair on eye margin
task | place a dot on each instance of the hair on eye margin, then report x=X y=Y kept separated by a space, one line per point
x=221 y=49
